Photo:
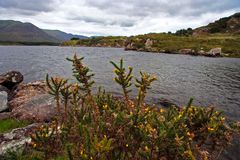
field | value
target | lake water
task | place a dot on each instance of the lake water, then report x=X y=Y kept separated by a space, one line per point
x=210 y=81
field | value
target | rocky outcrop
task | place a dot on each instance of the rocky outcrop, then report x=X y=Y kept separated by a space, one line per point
x=40 y=108
x=31 y=102
x=229 y=24
x=17 y=138
x=8 y=82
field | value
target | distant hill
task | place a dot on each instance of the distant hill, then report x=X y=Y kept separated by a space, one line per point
x=62 y=35
x=16 y=31
x=229 y=24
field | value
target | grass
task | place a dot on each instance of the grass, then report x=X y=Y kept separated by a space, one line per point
x=9 y=124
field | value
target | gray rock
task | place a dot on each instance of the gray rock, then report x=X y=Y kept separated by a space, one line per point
x=17 y=138
x=3 y=98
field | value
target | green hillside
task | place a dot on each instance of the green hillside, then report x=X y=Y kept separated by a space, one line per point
x=15 y=31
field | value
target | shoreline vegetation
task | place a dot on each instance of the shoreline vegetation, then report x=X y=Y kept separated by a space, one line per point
x=87 y=125
x=212 y=45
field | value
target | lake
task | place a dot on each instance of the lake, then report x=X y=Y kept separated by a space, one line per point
x=210 y=81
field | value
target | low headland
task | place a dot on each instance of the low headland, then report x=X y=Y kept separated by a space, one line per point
x=212 y=45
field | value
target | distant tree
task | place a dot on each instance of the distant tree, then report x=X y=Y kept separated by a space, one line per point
x=74 y=38
x=184 y=32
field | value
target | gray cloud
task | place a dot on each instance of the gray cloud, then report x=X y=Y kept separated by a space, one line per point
x=174 y=7
x=112 y=17
x=107 y=21
x=28 y=5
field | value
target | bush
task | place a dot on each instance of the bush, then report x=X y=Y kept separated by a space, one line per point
x=102 y=126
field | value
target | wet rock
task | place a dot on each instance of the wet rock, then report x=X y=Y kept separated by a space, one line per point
x=17 y=138
x=167 y=103
x=3 y=98
x=201 y=52
x=187 y=51
x=11 y=79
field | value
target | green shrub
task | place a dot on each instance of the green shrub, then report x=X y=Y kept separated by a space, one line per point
x=101 y=126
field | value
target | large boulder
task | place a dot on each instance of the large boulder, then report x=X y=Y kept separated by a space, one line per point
x=3 y=98
x=31 y=102
x=26 y=92
x=11 y=79
x=40 y=108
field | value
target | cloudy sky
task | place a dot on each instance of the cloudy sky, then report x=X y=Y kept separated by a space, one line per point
x=113 y=17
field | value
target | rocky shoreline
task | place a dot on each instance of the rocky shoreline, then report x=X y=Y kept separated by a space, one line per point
x=149 y=47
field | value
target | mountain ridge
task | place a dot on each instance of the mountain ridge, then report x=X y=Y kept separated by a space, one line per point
x=16 y=31
x=63 y=36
